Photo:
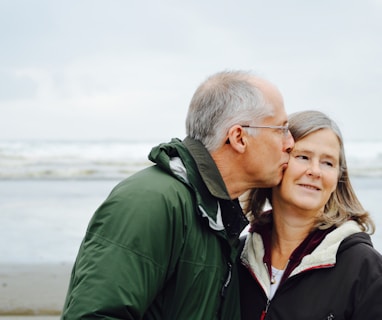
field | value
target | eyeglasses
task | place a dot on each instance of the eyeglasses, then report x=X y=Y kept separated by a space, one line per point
x=284 y=129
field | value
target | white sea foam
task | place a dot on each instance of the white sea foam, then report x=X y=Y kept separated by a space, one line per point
x=118 y=159
x=72 y=159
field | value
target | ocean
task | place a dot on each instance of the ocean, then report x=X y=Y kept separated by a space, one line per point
x=50 y=189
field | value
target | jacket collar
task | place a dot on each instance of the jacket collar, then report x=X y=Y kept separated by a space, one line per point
x=191 y=163
x=318 y=250
x=229 y=210
x=207 y=168
x=304 y=249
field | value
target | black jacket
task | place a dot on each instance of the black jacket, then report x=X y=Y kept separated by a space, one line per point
x=340 y=279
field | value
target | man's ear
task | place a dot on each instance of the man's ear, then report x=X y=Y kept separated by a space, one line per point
x=237 y=138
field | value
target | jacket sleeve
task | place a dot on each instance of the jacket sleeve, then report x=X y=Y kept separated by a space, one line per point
x=129 y=251
x=367 y=301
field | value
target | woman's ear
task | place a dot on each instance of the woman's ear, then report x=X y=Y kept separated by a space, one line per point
x=237 y=138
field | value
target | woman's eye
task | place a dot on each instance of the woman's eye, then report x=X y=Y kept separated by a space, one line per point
x=328 y=163
x=302 y=157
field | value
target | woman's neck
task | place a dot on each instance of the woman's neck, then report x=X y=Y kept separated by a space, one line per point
x=289 y=230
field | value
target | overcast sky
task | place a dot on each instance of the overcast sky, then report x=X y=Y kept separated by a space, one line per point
x=126 y=69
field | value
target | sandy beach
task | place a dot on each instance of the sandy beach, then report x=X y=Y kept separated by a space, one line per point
x=30 y=290
x=33 y=317
x=30 y=317
x=41 y=232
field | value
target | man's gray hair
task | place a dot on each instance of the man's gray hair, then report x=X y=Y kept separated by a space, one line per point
x=223 y=100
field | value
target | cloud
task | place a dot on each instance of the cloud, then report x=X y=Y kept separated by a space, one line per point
x=131 y=68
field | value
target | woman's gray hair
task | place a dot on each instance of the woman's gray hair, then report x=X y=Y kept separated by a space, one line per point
x=343 y=204
x=223 y=100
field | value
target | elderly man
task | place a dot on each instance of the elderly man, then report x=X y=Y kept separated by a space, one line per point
x=164 y=243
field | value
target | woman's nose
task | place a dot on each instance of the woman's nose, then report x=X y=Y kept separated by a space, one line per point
x=314 y=169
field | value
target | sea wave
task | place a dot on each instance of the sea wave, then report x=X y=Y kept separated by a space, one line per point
x=72 y=159
x=119 y=159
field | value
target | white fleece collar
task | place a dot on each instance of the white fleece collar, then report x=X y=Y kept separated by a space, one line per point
x=323 y=256
x=326 y=252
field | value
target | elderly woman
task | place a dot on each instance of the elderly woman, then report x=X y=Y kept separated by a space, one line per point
x=310 y=256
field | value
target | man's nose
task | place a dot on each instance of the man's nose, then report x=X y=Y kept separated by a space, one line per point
x=289 y=143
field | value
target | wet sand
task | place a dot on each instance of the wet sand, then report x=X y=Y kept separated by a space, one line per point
x=30 y=290
x=29 y=317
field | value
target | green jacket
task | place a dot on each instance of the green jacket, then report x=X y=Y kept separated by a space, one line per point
x=157 y=247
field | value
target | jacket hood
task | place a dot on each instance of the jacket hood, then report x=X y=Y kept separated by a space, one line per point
x=176 y=159
x=164 y=152
x=356 y=238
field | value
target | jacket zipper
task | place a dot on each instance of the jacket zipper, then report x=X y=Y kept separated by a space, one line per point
x=264 y=313
x=227 y=281
x=224 y=289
